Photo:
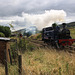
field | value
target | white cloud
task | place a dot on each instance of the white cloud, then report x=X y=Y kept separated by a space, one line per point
x=39 y=20
x=45 y=19
x=70 y=19
x=16 y=7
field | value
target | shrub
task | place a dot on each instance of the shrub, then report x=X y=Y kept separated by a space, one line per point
x=1 y=34
x=5 y=30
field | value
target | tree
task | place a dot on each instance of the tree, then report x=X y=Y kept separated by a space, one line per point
x=5 y=30
x=11 y=26
x=29 y=33
x=24 y=34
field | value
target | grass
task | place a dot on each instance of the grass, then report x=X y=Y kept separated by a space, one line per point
x=44 y=61
x=13 y=70
x=36 y=36
x=72 y=32
x=2 y=70
x=48 y=62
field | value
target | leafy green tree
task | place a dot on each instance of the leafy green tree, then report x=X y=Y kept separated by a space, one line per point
x=7 y=31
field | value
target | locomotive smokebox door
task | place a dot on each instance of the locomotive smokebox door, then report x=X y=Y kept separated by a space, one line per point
x=4 y=47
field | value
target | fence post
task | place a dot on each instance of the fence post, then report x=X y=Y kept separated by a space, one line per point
x=20 y=64
x=20 y=42
x=6 y=64
x=24 y=43
x=16 y=46
x=10 y=57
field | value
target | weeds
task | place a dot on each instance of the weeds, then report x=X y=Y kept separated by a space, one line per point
x=67 y=66
x=49 y=62
x=60 y=71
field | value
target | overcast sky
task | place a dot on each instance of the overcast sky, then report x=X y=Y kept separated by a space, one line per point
x=13 y=10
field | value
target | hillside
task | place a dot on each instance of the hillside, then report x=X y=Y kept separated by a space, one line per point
x=38 y=59
x=69 y=25
x=72 y=24
x=33 y=28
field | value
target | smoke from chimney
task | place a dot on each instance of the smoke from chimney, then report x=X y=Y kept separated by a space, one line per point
x=45 y=19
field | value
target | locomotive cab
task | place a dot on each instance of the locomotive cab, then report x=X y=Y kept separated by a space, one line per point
x=65 y=32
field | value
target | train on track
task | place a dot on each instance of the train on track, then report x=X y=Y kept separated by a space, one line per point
x=56 y=36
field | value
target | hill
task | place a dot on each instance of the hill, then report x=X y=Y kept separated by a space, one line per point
x=72 y=24
x=69 y=25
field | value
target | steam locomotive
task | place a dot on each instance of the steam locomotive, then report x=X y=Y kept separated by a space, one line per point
x=57 y=37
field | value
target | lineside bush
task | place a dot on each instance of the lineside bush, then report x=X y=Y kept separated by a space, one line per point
x=1 y=34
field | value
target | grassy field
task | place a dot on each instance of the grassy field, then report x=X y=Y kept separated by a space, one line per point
x=2 y=69
x=48 y=62
x=44 y=61
x=36 y=37
x=73 y=33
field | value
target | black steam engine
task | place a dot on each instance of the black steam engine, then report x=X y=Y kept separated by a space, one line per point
x=57 y=37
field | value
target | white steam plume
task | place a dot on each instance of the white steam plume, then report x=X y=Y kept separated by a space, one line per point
x=45 y=19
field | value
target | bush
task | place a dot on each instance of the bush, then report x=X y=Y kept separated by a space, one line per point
x=5 y=30
x=1 y=34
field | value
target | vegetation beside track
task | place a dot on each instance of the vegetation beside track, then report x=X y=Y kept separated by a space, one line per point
x=43 y=61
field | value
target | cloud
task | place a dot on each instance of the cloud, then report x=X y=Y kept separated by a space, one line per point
x=39 y=20
x=70 y=19
x=45 y=19
x=34 y=12
x=16 y=7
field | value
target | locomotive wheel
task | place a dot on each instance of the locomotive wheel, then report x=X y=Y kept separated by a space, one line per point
x=61 y=47
x=57 y=46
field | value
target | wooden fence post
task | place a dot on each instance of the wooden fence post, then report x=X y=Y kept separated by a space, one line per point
x=20 y=64
x=10 y=56
x=24 y=43
x=6 y=63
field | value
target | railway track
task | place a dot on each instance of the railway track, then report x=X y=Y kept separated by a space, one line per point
x=40 y=43
x=70 y=49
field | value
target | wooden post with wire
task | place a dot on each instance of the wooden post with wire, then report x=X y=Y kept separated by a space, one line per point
x=7 y=57
x=20 y=64
x=10 y=56
x=6 y=63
